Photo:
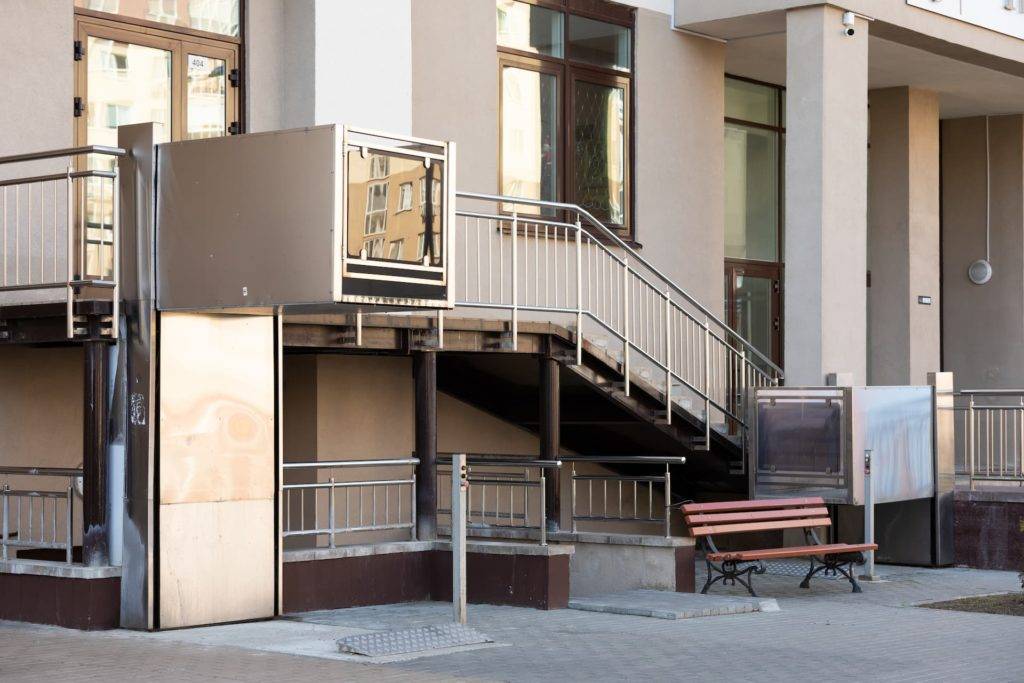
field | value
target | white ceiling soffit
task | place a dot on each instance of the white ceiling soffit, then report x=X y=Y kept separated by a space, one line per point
x=964 y=89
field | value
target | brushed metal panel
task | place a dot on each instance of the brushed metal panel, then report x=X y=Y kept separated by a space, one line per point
x=216 y=562
x=217 y=402
x=247 y=220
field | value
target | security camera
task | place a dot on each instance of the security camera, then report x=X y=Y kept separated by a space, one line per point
x=849 y=19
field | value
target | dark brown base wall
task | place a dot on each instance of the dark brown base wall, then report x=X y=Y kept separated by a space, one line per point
x=535 y=581
x=88 y=604
x=686 y=570
x=990 y=530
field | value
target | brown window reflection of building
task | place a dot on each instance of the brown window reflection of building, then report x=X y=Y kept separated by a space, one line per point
x=381 y=221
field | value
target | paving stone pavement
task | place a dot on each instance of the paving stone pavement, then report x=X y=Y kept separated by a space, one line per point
x=822 y=633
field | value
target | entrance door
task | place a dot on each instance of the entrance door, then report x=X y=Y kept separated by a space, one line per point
x=753 y=305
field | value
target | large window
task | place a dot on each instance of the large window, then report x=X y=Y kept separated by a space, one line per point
x=754 y=149
x=565 y=81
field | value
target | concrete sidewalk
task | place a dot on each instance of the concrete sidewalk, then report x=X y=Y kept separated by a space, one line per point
x=822 y=633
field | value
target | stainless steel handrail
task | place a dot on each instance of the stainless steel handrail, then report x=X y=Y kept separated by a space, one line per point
x=635 y=255
x=66 y=152
x=331 y=486
x=35 y=535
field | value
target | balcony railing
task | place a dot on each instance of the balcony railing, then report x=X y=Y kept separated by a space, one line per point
x=37 y=517
x=989 y=428
x=61 y=231
x=329 y=508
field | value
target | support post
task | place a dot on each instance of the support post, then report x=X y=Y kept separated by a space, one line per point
x=460 y=485
x=550 y=438
x=869 y=519
x=95 y=548
x=425 y=372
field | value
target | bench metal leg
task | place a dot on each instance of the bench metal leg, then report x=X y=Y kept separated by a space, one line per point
x=729 y=573
x=834 y=565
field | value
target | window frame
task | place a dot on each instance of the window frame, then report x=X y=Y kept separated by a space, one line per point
x=568 y=71
x=180 y=44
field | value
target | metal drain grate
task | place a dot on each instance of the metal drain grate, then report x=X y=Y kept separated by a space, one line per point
x=409 y=640
x=796 y=568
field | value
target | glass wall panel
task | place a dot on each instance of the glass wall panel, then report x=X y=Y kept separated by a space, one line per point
x=751 y=193
x=599 y=43
x=387 y=218
x=206 y=92
x=529 y=28
x=599 y=163
x=214 y=16
x=529 y=135
x=751 y=102
x=753 y=312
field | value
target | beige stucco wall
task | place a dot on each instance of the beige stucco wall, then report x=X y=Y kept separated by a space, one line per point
x=279 y=49
x=36 y=78
x=903 y=236
x=983 y=325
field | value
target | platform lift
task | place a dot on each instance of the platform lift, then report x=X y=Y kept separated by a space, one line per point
x=221 y=239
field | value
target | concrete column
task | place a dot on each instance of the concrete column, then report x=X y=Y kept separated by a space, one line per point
x=983 y=325
x=903 y=236
x=826 y=196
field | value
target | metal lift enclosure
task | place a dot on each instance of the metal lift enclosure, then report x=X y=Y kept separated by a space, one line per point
x=313 y=219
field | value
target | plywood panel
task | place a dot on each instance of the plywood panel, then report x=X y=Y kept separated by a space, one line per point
x=216 y=562
x=216 y=408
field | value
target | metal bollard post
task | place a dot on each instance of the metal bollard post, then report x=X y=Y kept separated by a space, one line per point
x=869 y=518
x=668 y=502
x=460 y=485
x=543 y=510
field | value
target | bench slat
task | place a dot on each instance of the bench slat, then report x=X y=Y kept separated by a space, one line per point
x=760 y=526
x=741 y=505
x=760 y=515
x=795 y=551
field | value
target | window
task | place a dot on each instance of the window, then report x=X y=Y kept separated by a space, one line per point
x=395 y=250
x=565 y=79
x=422 y=243
x=378 y=167
x=405 y=197
x=376 y=208
x=374 y=248
x=211 y=16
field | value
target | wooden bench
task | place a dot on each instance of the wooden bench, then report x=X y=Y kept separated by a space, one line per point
x=710 y=520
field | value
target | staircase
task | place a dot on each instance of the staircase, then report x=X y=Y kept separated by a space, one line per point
x=630 y=333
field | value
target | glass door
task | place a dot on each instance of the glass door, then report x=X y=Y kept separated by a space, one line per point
x=753 y=305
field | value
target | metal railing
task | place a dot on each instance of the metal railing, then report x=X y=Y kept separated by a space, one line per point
x=989 y=432
x=502 y=493
x=632 y=496
x=62 y=230
x=36 y=518
x=318 y=509
x=582 y=271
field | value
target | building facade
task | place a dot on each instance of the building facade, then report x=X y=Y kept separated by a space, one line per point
x=812 y=189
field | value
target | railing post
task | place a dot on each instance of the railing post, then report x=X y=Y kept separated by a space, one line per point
x=625 y=324
x=330 y=509
x=543 y=510
x=71 y=257
x=415 y=536
x=707 y=384
x=668 y=357
x=70 y=524
x=115 y=304
x=572 y=495
x=515 y=280
x=6 y=511
x=970 y=438
x=579 y=292
x=742 y=409
x=668 y=502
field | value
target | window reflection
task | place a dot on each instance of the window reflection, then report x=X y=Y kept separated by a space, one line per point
x=529 y=28
x=127 y=84
x=215 y=16
x=381 y=221
x=600 y=151
x=599 y=43
x=206 y=85
x=751 y=193
x=529 y=146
